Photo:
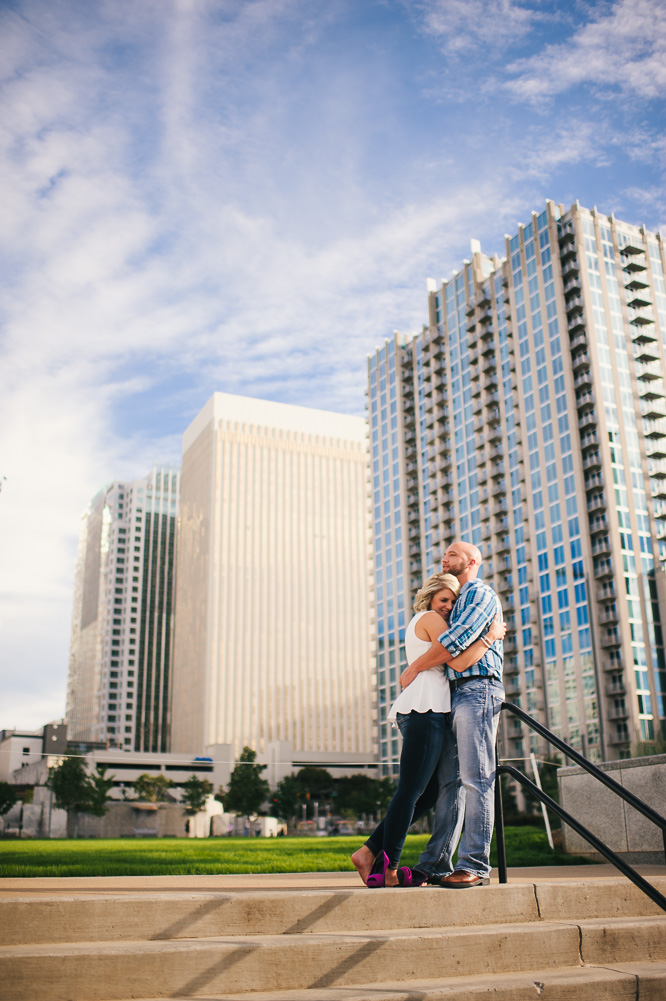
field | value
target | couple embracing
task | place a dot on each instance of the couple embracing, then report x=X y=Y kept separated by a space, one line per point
x=447 y=715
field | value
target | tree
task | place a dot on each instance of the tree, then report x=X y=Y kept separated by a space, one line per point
x=8 y=796
x=316 y=784
x=99 y=790
x=78 y=792
x=287 y=797
x=152 y=788
x=357 y=794
x=247 y=790
x=195 y=792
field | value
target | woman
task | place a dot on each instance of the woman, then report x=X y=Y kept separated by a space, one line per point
x=420 y=712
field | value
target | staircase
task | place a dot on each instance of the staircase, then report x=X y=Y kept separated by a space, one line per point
x=588 y=939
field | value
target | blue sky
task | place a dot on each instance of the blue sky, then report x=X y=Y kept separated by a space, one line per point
x=248 y=196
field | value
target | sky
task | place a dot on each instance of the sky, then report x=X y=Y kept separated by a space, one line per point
x=248 y=196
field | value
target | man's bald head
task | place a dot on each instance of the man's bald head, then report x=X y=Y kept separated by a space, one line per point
x=462 y=559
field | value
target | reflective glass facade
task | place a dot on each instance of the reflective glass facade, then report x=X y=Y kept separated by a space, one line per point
x=122 y=626
x=538 y=427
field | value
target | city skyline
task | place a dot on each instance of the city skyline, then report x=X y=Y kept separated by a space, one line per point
x=249 y=197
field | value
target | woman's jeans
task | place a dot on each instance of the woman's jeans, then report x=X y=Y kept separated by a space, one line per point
x=475 y=709
x=423 y=738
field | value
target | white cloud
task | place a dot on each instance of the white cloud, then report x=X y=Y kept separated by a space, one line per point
x=462 y=25
x=149 y=243
x=623 y=49
x=196 y=200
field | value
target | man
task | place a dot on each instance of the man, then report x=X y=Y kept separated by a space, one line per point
x=476 y=699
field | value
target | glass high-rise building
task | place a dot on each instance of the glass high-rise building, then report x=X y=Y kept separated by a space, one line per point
x=122 y=624
x=529 y=417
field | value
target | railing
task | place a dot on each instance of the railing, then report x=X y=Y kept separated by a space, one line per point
x=591 y=838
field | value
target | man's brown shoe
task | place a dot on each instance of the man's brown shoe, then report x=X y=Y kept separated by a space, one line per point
x=460 y=880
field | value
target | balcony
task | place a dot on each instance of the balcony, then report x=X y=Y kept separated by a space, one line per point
x=603 y=568
x=594 y=480
x=611 y=638
x=636 y=284
x=654 y=429
x=580 y=360
x=583 y=379
x=618 y=712
x=620 y=738
x=653 y=409
x=569 y=266
x=616 y=688
x=645 y=339
x=592 y=460
x=609 y=615
x=576 y=322
x=649 y=371
x=639 y=302
x=578 y=341
x=596 y=502
x=631 y=249
x=512 y=686
x=589 y=439
x=634 y=268
x=601 y=546
x=585 y=399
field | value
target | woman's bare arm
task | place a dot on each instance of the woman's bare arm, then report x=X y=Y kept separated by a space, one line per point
x=438 y=655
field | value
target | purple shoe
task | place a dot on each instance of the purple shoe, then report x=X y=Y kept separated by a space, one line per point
x=378 y=871
x=411 y=877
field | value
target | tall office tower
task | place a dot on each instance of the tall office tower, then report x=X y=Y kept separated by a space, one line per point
x=273 y=601
x=530 y=418
x=122 y=624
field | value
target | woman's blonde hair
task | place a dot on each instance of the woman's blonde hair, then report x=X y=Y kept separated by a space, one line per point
x=430 y=588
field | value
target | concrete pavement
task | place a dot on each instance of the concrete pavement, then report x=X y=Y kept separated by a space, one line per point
x=75 y=885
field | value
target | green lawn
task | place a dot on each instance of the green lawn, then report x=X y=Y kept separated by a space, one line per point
x=526 y=846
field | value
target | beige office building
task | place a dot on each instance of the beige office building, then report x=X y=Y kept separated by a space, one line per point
x=273 y=601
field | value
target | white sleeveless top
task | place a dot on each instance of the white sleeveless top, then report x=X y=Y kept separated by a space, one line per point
x=429 y=689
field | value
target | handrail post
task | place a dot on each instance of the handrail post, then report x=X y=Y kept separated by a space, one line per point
x=499 y=823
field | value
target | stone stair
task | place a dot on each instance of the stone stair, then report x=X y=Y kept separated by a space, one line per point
x=592 y=939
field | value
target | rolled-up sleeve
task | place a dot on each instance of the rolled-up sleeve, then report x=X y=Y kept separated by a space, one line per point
x=473 y=622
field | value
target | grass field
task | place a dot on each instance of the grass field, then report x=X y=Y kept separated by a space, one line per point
x=526 y=846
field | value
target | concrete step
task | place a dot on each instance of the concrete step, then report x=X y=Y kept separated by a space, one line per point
x=112 y=971
x=623 y=982
x=156 y=916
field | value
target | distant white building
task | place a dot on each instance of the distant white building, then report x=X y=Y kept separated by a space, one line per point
x=273 y=598
x=122 y=624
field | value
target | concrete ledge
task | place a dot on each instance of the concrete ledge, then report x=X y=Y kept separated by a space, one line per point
x=621 y=941
x=632 y=982
x=99 y=972
x=109 y=918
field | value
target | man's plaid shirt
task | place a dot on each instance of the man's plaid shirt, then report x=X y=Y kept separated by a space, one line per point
x=475 y=609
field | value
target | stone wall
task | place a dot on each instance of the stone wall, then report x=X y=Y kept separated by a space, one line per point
x=611 y=819
x=124 y=820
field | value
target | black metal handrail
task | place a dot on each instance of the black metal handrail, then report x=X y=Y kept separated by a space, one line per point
x=591 y=838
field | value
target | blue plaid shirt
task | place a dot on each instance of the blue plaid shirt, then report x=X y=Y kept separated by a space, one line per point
x=475 y=609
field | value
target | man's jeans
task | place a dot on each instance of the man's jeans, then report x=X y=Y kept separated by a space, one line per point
x=467 y=781
x=422 y=737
